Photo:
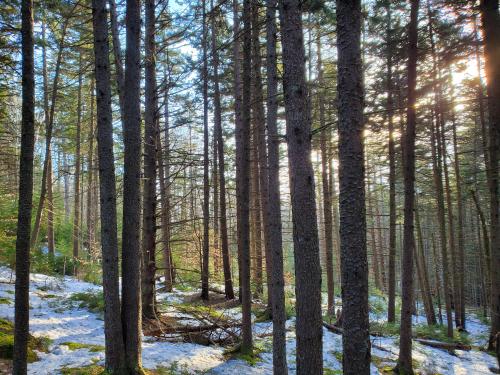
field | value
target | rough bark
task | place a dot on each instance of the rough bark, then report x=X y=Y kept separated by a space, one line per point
x=21 y=308
x=131 y=252
x=274 y=243
x=76 y=194
x=354 y=265
x=491 y=30
x=113 y=331
x=305 y=228
x=148 y=264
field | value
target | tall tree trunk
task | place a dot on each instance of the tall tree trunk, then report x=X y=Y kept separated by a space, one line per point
x=491 y=31
x=243 y=179
x=238 y=115
x=354 y=264
x=131 y=252
x=206 y=186
x=21 y=308
x=226 y=262
x=327 y=197
x=113 y=330
x=404 y=365
x=76 y=208
x=274 y=241
x=148 y=269
x=305 y=228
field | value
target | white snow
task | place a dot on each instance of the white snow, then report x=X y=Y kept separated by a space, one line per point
x=63 y=322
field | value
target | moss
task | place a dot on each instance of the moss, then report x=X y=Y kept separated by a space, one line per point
x=40 y=344
x=85 y=370
x=47 y=296
x=90 y=347
x=93 y=301
x=440 y=333
x=329 y=371
x=5 y=301
x=252 y=357
x=338 y=355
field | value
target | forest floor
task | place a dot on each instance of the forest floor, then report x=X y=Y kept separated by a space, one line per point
x=67 y=313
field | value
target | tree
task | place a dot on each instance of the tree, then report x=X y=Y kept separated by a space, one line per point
x=21 y=308
x=243 y=181
x=354 y=266
x=76 y=217
x=131 y=255
x=490 y=17
x=305 y=229
x=274 y=241
x=113 y=330
x=148 y=268
x=405 y=365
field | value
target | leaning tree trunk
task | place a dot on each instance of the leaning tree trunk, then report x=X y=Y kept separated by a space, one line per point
x=354 y=265
x=113 y=330
x=21 y=308
x=131 y=252
x=305 y=228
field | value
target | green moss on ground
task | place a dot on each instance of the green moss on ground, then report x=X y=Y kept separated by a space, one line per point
x=78 y=345
x=40 y=344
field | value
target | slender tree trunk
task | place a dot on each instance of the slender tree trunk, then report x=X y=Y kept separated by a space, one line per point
x=90 y=184
x=206 y=186
x=274 y=241
x=354 y=264
x=327 y=197
x=305 y=228
x=113 y=330
x=404 y=365
x=131 y=252
x=226 y=262
x=238 y=115
x=48 y=133
x=243 y=179
x=76 y=208
x=148 y=269
x=21 y=309
x=491 y=30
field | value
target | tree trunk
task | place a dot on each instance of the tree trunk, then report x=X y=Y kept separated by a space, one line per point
x=131 y=252
x=113 y=330
x=274 y=241
x=404 y=365
x=76 y=208
x=117 y=54
x=354 y=265
x=206 y=186
x=305 y=228
x=90 y=184
x=491 y=31
x=226 y=262
x=243 y=179
x=148 y=269
x=327 y=197
x=21 y=309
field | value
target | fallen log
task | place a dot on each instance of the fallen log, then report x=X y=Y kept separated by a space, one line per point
x=334 y=329
x=443 y=345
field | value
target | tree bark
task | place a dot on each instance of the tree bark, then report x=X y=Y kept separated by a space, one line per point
x=21 y=308
x=405 y=365
x=273 y=213
x=243 y=180
x=354 y=264
x=131 y=252
x=113 y=330
x=305 y=228
x=148 y=266
x=76 y=208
